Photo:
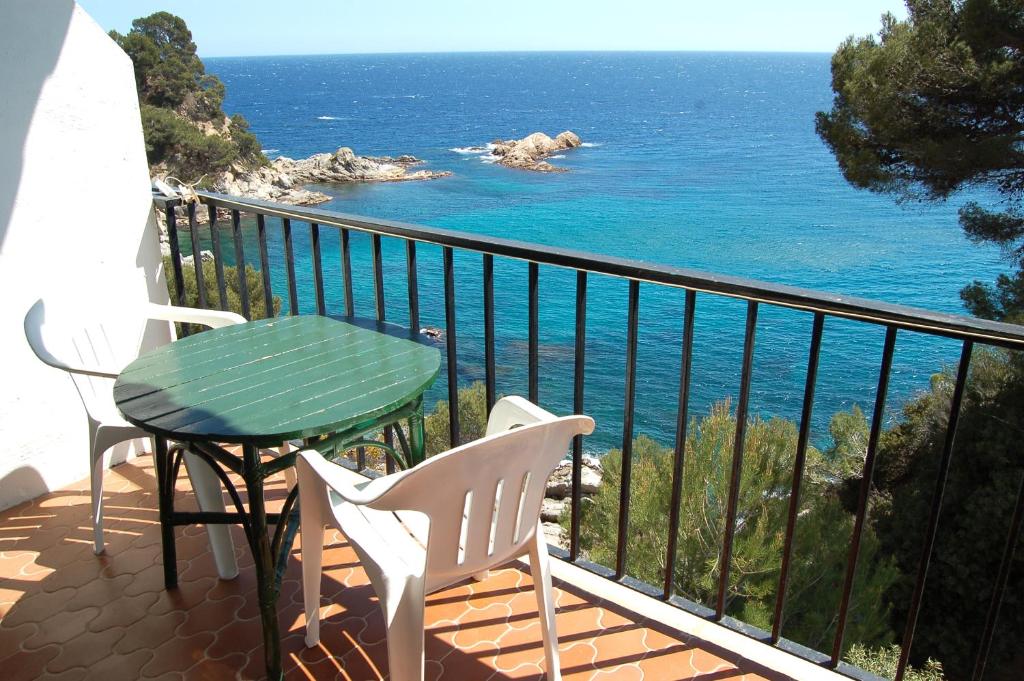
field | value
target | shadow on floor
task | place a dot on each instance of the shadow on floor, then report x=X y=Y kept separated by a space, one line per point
x=66 y=613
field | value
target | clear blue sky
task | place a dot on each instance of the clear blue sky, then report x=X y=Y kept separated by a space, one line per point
x=261 y=27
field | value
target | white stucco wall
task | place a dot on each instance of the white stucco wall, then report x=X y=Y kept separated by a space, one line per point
x=75 y=213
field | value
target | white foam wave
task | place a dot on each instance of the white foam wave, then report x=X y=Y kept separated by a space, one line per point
x=467 y=150
x=269 y=151
x=591 y=144
x=328 y=118
x=558 y=156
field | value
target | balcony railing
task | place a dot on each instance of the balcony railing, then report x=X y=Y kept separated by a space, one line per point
x=893 y=319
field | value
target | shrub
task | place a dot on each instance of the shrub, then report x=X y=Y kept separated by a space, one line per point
x=253 y=283
x=472 y=419
x=820 y=539
x=883 y=662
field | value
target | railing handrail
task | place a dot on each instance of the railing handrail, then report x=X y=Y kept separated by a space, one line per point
x=956 y=326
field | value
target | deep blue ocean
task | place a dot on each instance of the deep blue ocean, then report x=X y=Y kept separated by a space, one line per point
x=700 y=160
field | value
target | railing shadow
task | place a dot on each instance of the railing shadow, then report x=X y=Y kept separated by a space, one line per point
x=60 y=596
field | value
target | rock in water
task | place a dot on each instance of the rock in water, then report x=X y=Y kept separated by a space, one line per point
x=344 y=166
x=529 y=153
x=433 y=333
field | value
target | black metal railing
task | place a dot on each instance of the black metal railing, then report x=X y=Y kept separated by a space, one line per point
x=892 y=318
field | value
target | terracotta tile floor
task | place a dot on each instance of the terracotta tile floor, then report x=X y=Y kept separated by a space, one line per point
x=68 y=614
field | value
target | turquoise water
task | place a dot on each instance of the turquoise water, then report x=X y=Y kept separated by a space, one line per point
x=707 y=161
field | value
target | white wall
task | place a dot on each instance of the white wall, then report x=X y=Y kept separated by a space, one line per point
x=75 y=213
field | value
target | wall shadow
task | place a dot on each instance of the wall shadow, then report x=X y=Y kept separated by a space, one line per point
x=33 y=35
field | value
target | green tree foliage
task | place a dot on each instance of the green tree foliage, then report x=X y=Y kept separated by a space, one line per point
x=472 y=419
x=987 y=466
x=253 y=283
x=936 y=104
x=883 y=662
x=821 y=540
x=167 y=69
x=177 y=97
x=184 y=148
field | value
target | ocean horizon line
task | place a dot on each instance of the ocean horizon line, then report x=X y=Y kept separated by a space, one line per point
x=511 y=52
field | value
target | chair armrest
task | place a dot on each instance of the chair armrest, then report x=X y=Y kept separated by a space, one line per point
x=190 y=315
x=99 y=372
x=512 y=411
x=332 y=476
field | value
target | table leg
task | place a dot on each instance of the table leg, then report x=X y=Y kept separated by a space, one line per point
x=164 y=464
x=266 y=588
x=417 y=438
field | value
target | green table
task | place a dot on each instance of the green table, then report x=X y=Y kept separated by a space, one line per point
x=263 y=384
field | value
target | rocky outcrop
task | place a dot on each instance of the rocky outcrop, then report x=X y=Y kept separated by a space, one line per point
x=344 y=166
x=282 y=181
x=267 y=183
x=560 y=482
x=529 y=153
x=557 y=496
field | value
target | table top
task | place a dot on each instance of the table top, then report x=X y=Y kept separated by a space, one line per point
x=273 y=380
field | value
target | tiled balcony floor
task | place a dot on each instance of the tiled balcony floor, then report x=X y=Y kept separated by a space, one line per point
x=68 y=614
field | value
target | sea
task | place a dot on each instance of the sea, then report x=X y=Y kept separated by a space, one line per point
x=707 y=161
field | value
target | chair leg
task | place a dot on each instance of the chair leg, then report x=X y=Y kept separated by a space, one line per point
x=289 y=473
x=312 y=520
x=403 y=614
x=311 y=539
x=541 y=569
x=99 y=459
x=210 y=497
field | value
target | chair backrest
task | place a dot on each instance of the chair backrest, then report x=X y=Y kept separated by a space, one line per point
x=81 y=337
x=483 y=498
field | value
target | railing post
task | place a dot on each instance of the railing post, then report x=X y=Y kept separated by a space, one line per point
x=378 y=276
x=412 y=285
x=999 y=588
x=577 y=408
x=627 y=429
x=865 y=491
x=534 y=333
x=452 y=357
x=197 y=258
x=680 y=448
x=318 y=270
x=489 y=374
x=268 y=294
x=737 y=460
x=933 y=518
x=798 y=472
x=243 y=287
x=218 y=258
x=289 y=257
x=346 y=273
x=172 y=242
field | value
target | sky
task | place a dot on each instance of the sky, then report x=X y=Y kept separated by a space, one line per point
x=261 y=27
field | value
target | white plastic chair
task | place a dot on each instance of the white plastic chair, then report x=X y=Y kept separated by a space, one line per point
x=480 y=504
x=93 y=344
